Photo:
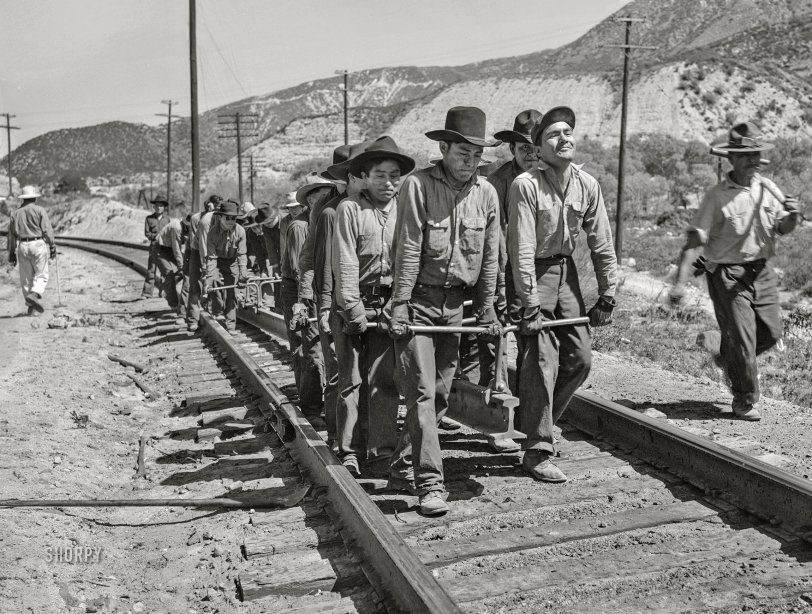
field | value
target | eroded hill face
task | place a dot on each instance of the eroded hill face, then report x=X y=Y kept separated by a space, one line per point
x=715 y=61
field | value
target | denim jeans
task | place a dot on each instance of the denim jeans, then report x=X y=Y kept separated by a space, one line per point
x=305 y=350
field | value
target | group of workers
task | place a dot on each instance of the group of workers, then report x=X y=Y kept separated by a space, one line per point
x=375 y=259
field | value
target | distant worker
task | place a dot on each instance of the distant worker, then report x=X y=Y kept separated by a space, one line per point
x=152 y=224
x=226 y=253
x=169 y=259
x=30 y=244
x=362 y=267
x=446 y=239
x=548 y=207
x=737 y=225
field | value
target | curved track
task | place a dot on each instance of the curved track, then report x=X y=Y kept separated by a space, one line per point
x=652 y=517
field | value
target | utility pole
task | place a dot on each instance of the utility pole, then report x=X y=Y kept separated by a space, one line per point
x=254 y=163
x=9 y=128
x=622 y=156
x=194 y=118
x=233 y=125
x=346 y=106
x=168 y=116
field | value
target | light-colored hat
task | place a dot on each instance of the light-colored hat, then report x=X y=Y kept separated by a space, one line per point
x=29 y=192
x=312 y=182
x=248 y=207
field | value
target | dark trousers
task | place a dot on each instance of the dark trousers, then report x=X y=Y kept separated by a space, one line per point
x=745 y=300
x=229 y=270
x=305 y=350
x=425 y=366
x=149 y=280
x=195 y=287
x=366 y=368
x=556 y=361
x=165 y=260
x=328 y=352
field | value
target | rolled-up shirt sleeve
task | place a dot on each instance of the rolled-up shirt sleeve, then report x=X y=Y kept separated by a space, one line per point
x=521 y=239
x=408 y=244
x=345 y=257
x=599 y=239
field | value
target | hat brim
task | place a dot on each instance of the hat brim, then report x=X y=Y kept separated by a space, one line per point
x=339 y=171
x=511 y=136
x=356 y=165
x=165 y=203
x=725 y=150
x=456 y=137
x=301 y=193
x=29 y=196
x=326 y=175
x=482 y=161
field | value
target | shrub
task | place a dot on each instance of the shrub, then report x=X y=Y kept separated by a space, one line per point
x=709 y=98
x=71 y=182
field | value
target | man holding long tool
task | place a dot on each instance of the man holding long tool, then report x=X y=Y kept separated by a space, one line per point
x=226 y=252
x=548 y=207
x=364 y=229
x=737 y=224
x=446 y=239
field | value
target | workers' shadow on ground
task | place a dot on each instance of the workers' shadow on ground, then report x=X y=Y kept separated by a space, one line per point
x=22 y=314
x=234 y=469
x=161 y=338
x=476 y=443
x=686 y=409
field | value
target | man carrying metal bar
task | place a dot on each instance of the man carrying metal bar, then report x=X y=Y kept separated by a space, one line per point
x=226 y=253
x=31 y=244
x=737 y=224
x=308 y=364
x=547 y=208
x=152 y=224
x=364 y=229
x=446 y=239
x=169 y=259
x=196 y=271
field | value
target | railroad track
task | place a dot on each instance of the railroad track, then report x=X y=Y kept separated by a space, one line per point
x=652 y=518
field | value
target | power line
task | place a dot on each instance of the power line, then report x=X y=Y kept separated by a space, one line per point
x=168 y=116
x=9 y=128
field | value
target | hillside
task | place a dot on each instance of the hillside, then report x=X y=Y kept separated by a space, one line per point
x=715 y=61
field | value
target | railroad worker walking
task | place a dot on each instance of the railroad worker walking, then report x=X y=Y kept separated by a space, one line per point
x=152 y=225
x=303 y=336
x=226 y=252
x=31 y=244
x=364 y=231
x=446 y=239
x=169 y=258
x=196 y=272
x=548 y=207
x=737 y=225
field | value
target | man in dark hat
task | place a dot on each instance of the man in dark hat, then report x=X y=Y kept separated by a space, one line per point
x=548 y=206
x=152 y=224
x=196 y=262
x=446 y=239
x=226 y=253
x=737 y=226
x=364 y=231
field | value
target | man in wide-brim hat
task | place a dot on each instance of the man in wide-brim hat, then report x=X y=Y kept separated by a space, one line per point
x=152 y=225
x=737 y=226
x=446 y=240
x=31 y=244
x=362 y=266
x=227 y=251
x=549 y=206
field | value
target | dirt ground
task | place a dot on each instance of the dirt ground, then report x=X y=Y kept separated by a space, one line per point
x=177 y=560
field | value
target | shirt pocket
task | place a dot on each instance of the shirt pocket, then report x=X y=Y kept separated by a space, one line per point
x=436 y=237
x=737 y=221
x=575 y=216
x=472 y=235
x=368 y=249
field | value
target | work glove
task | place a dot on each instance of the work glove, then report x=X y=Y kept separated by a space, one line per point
x=488 y=321
x=699 y=266
x=399 y=321
x=52 y=250
x=356 y=326
x=12 y=258
x=532 y=321
x=791 y=205
x=242 y=276
x=601 y=313
x=298 y=320
x=206 y=287
x=324 y=322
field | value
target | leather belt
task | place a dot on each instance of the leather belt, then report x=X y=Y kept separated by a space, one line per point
x=557 y=259
x=27 y=239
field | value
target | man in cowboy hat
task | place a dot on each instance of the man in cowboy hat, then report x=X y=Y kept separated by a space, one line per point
x=446 y=239
x=316 y=273
x=737 y=225
x=305 y=347
x=169 y=259
x=196 y=272
x=548 y=206
x=152 y=224
x=226 y=253
x=31 y=243
x=364 y=231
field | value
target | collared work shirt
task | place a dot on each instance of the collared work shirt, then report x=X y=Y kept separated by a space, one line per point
x=194 y=223
x=306 y=264
x=153 y=224
x=203 y=228
x=543 y=222
x=170 y=236
x=323 y=258
x=295 y=236
x=501 y=179
x=729 y=227
x=446 y=237
x=29 y=221
x=222 y=243
x=361 y=248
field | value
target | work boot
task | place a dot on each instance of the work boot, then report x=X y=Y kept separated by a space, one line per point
x=433 y=504
x=746 y=411
x=351 y=464
x=32 y=299
x=500 y=445
x=539 y=465
x=180 y=321
x=377 y=467
x=402 y=482
x=448 y=425
x=192 y=327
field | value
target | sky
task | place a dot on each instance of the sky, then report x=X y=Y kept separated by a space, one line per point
x=69 y=63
